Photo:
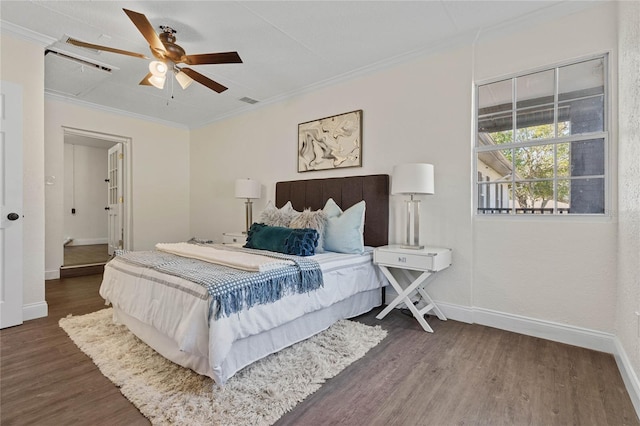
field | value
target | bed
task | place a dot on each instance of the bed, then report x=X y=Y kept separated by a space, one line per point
x=172 y=314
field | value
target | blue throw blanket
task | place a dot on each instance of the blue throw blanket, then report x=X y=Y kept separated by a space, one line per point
x=234 y=289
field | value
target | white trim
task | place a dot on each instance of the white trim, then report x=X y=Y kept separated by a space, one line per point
x=456 y=312
x=87 y=241
x=60 y=98
x=52 y=275
x=629 y=376
x=127 y=220
x=26 y=34
x=34 y=310
x=563 y=333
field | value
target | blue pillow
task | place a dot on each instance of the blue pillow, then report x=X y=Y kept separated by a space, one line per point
x=299 y=242
x=344 y=232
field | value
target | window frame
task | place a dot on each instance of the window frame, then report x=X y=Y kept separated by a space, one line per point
x=604 y=135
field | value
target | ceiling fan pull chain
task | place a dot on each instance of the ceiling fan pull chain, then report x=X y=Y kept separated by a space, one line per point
x=172 y=87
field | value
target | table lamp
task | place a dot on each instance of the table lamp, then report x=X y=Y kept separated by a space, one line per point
x=248 y=189
x=412 y=179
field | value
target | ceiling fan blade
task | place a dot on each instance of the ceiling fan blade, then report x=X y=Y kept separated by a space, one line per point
x=205 y=81
x=104 y=48
x=145 y=80
x=214 y=58
x=145 y=27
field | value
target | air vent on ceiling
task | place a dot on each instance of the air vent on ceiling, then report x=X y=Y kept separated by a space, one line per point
x=78 y=60
x=248 y=100
x=68 y=75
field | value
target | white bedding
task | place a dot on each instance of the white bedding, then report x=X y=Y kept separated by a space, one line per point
x=234 y=259
x=178 y=310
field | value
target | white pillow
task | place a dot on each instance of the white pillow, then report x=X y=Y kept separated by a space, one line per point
x=344 y=232
x=273 y=216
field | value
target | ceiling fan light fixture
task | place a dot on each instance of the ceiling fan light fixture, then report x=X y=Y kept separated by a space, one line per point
x=158 y=69
x=157 y=81
x=164 y=48
x=183 y=79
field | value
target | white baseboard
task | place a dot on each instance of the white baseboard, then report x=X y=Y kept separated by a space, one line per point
x=571 y=335
x=576 y=336
x=34 y=310
x=629 y=376
x=456 y=312
x=88 y=241
x=52 y=275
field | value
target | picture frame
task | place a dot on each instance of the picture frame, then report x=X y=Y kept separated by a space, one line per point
x=333 y=142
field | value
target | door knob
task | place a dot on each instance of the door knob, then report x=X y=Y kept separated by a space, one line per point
x=107 y=208
x=13 y=216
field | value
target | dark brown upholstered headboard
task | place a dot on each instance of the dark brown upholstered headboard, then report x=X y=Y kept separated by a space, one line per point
x=345 y=191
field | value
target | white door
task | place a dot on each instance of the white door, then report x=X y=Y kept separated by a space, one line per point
x=115 y=199
x=10 y=204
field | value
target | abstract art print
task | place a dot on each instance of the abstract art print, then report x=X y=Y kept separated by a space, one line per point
x=331 y=142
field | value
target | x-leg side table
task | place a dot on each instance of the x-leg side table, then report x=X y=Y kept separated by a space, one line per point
x=428 y=261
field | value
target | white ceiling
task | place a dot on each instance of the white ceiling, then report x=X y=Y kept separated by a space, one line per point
x=287 y=47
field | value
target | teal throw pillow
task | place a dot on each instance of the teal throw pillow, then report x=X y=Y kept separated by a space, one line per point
x=299 y=242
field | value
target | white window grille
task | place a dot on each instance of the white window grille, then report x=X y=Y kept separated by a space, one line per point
x=542 y=141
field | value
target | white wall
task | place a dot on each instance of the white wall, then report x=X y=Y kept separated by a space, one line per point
x=29 y=73
x=562 y=271
x=422 y=111
x=160 y=175
x=85 y=191
x=406 y=117
x=628 y=302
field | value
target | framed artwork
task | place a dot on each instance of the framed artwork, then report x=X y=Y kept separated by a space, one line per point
x=330 y=143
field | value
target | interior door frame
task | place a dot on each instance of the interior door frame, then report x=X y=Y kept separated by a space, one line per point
x=127 y=211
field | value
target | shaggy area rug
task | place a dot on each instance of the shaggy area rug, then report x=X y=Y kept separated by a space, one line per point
x=258 y=395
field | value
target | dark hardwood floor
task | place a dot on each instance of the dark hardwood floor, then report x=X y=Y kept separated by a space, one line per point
x=46 y=380
x=84 y=260
x=85 y=255
x=460 y=375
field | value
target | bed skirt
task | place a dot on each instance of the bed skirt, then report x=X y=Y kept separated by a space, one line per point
x=252 y=348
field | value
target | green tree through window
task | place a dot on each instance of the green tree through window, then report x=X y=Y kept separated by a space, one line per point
x=535 y=165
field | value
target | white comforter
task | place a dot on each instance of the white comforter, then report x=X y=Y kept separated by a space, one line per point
x=179 y=309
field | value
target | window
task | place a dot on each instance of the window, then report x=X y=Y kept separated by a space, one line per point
x=541 y=142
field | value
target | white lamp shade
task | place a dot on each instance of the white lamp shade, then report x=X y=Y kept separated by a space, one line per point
x=157 y=68
x=247 y=188
x=157 y=81
x=183 y=79
x=413 y=178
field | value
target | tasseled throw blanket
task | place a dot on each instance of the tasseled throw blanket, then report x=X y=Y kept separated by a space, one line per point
x=233 y=289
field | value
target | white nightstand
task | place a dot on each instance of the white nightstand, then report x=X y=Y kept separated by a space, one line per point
x=234 y=238
x=429 y=260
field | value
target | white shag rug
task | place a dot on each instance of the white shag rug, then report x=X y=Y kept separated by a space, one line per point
x=258 y=395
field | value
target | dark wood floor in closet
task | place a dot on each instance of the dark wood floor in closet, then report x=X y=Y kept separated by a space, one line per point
x=460 y=375
x=86 y=255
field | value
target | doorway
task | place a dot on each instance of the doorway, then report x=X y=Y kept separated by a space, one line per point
x=88 y=209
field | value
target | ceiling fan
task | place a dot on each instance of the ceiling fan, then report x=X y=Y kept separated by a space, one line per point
x=163 y=46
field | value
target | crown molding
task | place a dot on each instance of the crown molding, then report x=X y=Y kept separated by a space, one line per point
x=102 y=108
x=25 y=34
